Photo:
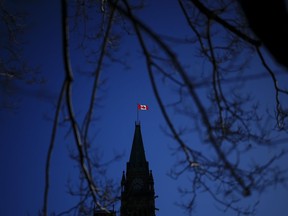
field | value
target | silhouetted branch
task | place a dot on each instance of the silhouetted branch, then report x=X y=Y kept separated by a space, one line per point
x=212 y=15
x=281 y=115
x=95 y=84
x=51 y=147
x=69 y=79
x=14 y=67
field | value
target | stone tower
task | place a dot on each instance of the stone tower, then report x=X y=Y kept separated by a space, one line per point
x=137 y=185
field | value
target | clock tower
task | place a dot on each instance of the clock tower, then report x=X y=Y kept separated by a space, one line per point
x=137 y=185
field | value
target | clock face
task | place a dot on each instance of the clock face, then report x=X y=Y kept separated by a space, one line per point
x=137 y=184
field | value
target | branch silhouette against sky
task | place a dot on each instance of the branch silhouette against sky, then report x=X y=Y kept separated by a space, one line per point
x=217 y=93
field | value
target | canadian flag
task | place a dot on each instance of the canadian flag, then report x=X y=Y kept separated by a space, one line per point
x=142 y=107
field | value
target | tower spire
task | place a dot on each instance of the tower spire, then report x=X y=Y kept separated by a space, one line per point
x=137 y=155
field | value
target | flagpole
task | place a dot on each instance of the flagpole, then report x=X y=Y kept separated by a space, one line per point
x=137 y=113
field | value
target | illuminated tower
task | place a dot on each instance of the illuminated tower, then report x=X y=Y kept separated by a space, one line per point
x=137 y=185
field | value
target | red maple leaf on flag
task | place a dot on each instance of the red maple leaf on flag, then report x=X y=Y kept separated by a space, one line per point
x=142 y=107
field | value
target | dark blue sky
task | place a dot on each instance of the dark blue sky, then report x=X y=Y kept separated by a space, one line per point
x=26 y=131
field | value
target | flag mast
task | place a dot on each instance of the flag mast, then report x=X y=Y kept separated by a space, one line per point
x=137 y=120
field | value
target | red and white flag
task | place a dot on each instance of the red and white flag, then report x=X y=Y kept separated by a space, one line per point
x=142 y=107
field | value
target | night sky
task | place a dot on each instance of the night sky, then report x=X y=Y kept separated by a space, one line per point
x=26 y=130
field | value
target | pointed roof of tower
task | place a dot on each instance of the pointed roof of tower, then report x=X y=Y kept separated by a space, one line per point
x=137 y=155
